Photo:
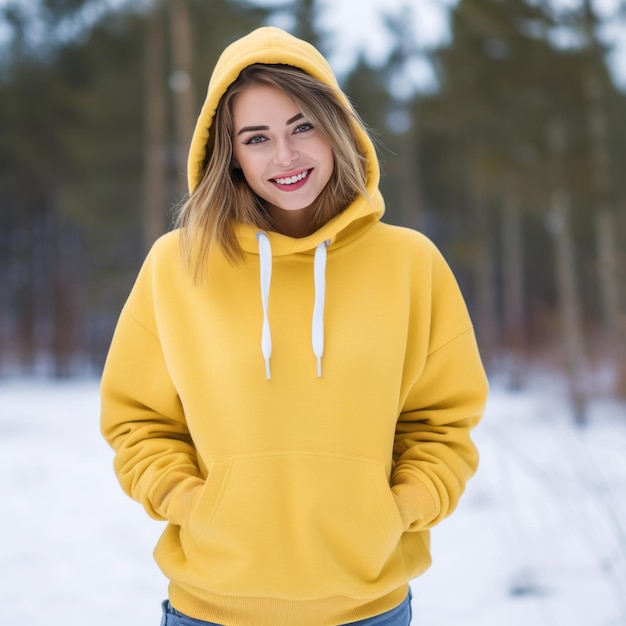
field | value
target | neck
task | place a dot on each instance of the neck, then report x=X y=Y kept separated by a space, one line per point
x=291 y=223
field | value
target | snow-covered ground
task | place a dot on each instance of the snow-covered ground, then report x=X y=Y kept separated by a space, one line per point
x=539 y=538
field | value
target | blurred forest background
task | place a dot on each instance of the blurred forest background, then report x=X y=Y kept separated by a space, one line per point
x=510 y=162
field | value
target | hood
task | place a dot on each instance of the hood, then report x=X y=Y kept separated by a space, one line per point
x=270 y=45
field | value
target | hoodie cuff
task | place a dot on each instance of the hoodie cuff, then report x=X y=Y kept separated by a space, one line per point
x=415 y=503
x=179 y=498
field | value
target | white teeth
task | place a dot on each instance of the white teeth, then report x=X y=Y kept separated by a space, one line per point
x=292 y=179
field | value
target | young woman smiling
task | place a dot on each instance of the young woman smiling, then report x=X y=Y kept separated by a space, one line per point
x=285 y=160
x=292 y=383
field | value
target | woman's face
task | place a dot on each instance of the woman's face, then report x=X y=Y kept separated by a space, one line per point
x=283 y=157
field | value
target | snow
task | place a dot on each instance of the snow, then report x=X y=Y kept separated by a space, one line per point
x=538 y=539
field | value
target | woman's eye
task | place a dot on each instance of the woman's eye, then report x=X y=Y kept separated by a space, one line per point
x=302 y=128
x=255 y=139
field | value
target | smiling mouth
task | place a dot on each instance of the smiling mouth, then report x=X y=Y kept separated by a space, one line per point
x=292 y=180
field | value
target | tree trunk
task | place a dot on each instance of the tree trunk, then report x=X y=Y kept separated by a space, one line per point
x=485 y=317
x=513 y=277
x=180 y=81
x=409 y=171
x=25 y=318
x=154 y=194
x=65 y=306
x=605 y=228
x=567 y=288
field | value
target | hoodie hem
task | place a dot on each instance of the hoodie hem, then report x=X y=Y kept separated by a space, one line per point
x=243 y=611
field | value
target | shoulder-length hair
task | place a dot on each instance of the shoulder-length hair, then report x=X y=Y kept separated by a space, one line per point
x=208 y=216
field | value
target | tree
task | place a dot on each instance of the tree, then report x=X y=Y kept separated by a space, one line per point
x=155 y=130
x=72 y=122
x=566 y=275
x=489 y=75
x=597 y=86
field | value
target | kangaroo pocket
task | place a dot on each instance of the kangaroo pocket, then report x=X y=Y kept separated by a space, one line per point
x=295 y=526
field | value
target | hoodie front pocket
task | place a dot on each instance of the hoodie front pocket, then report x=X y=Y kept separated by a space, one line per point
x=296 y=525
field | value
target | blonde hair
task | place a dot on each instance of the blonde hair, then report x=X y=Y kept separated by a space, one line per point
x=210 y=213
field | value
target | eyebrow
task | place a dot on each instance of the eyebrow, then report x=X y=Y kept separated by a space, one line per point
x=291 y=120
x=248 y=129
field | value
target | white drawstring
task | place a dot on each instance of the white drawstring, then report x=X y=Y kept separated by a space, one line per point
x=319 y=276
x=317 y=330
x=265 y=260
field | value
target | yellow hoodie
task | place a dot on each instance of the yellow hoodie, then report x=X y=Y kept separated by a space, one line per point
x=301 y=437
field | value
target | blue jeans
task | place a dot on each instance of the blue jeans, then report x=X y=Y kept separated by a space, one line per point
x=400 y=616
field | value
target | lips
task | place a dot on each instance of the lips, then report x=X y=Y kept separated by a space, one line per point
x=293 y=181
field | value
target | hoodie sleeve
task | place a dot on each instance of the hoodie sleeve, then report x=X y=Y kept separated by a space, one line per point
x=142 y=417
x=433 y=453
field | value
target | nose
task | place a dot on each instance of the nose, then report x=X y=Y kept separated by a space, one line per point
x=284 y=153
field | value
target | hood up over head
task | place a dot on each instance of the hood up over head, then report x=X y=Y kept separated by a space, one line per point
x=273 y=46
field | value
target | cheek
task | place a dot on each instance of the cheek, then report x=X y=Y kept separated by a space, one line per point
x=253 y=174
x=325 y=155
x=328 y=162
x=247 y=165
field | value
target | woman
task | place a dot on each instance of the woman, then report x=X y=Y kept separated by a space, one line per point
x=291 y=383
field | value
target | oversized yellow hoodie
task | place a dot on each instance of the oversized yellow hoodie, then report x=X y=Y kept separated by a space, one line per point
x=300 y=418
